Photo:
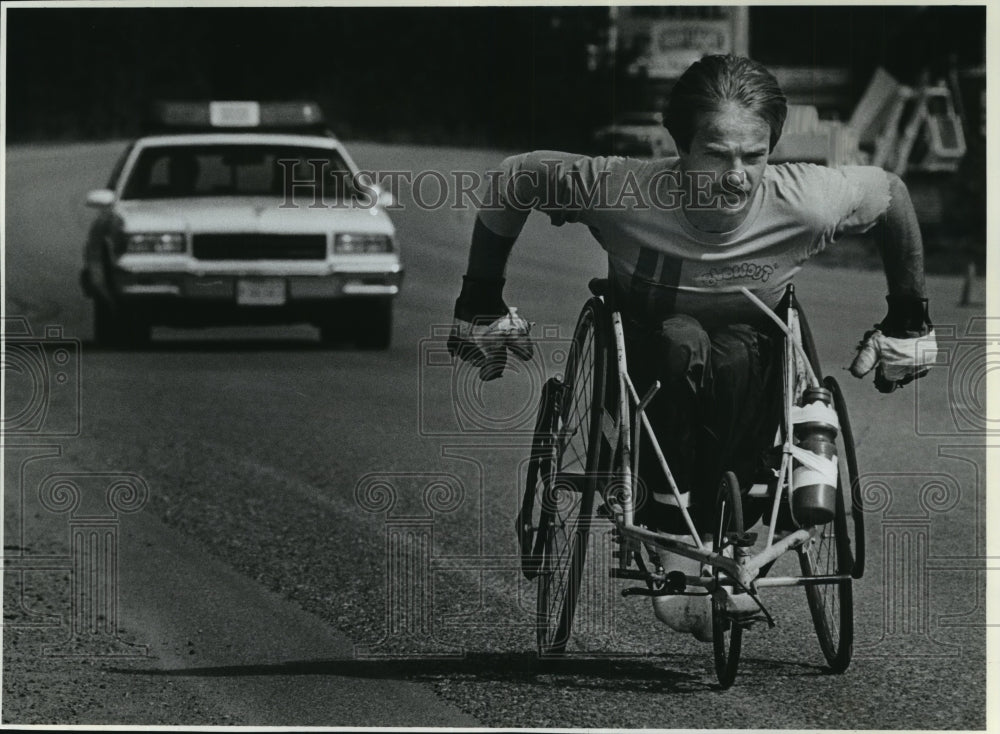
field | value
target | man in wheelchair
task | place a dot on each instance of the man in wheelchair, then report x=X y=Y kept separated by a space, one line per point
x=683 y=236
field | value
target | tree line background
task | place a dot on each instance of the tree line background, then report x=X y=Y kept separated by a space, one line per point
x=507 y=76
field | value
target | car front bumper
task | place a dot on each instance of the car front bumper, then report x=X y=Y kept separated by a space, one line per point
x=185 y=286
x=164 y=295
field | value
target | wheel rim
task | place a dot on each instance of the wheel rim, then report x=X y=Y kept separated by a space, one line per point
x=831 y=605
x=837 y=549
x=820 y=558
x=574 y=433
x=727 y=636
x=849 y=488
x=568 y=491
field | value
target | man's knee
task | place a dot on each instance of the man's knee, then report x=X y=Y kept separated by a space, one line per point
x=735 y=353
x=685 y=346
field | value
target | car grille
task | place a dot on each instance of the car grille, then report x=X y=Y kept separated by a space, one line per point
x=259 y=246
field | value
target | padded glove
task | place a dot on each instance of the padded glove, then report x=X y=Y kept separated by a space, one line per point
x=901 y=349
x=485 y=328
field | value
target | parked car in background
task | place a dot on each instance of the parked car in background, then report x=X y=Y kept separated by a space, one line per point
x=241 y=213
x=636 y=134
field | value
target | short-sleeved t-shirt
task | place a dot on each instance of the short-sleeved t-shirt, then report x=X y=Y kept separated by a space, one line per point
x=659 y=260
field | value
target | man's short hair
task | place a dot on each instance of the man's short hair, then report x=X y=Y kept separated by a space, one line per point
x=714 y=80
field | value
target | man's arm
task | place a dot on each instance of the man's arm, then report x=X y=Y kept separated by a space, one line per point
x=900 y=244
x=488 y=253
x=484 y=327
x=543 y=180
x=902 y=347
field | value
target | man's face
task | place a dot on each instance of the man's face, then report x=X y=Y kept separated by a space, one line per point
x=729 y=149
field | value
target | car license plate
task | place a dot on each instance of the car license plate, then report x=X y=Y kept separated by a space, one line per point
x=260 y=292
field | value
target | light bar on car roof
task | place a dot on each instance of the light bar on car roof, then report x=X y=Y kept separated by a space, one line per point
x=238 y=114
x=234 y=114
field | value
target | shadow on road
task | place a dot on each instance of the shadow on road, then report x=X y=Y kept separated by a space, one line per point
x=222 y=346
x=683 y=675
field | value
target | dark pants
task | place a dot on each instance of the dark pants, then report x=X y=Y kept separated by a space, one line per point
x=717 y=410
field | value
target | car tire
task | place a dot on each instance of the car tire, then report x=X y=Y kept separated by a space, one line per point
x=331 y=333
x=113 y=329
x=373 y=326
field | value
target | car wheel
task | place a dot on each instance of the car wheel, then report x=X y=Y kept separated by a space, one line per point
x=113 y=329
x=373 y=327
x=331 y=333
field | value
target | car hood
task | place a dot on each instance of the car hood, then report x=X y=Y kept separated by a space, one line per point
x=248 y=214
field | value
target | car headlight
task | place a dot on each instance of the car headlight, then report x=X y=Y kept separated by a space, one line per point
x=157 y=243
x=358 y=244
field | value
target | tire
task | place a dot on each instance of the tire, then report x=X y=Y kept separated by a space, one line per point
x=113 y=329
x=727 y=636
x=831 y=605
x=532 y=523
x=330 y=335
x=839 y=547
x=565 y=493
x=105 y=326
x=373 y=328
x=332 y=329
x=854 y=527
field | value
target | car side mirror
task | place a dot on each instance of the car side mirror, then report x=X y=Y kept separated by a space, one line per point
x=384 y=197
x=379 y=196
x=101 y=198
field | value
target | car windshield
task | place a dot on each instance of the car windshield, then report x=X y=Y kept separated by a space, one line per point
x=174 y=171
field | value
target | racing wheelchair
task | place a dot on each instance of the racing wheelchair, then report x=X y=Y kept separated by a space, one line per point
x=582 y=482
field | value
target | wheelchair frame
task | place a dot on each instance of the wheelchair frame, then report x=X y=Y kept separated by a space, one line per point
x=559 y=509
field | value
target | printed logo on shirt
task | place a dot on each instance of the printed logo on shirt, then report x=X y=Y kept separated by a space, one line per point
x=741 y=271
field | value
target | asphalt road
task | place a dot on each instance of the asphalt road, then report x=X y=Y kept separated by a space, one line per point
x=258 y=580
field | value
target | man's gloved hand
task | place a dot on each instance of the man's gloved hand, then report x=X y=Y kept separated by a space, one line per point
x=485 y=328
x=900 y=349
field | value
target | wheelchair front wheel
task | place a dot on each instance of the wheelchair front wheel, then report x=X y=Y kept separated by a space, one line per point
x=567 y=490
x=727 y=634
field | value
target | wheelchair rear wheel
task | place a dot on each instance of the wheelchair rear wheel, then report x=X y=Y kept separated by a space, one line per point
x=831 y=604
x=837 y=550
x=566 y=482
x=850 y=484
x=853 y=529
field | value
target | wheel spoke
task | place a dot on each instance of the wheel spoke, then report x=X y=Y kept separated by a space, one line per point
x=570 y=499
x=727 y=635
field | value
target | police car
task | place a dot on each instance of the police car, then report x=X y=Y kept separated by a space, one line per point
x=639 y=134
x=236 y=213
